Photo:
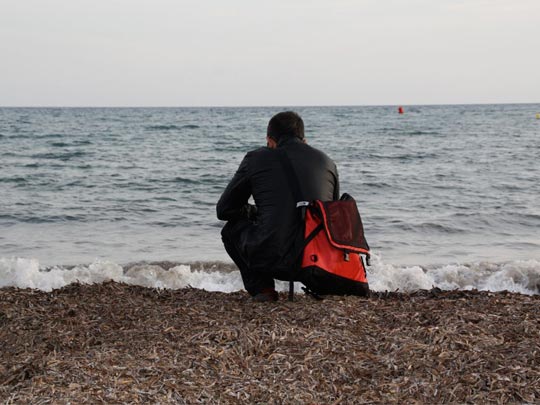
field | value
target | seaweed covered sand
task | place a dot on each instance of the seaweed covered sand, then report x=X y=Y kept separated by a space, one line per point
x=117 y=343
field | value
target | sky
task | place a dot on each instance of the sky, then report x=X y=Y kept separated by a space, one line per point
x=268 y=52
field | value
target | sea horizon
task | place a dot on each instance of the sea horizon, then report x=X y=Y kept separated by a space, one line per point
x=271 y=106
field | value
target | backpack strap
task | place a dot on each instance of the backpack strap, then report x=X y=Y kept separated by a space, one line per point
x=312 y=293
x=301 y=204
x=292 y=179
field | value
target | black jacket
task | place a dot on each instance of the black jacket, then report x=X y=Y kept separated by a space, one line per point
x=266 y=243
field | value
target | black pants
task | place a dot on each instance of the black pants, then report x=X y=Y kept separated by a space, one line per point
x=232 y=234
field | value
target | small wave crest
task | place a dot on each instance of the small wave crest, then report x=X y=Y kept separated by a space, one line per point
x=401 y=131
x=32 y=135
x=59 y=156
x=521 y=276
x=418 y=132
x=405 y=157
x=171 y=127
x=43 y=219
x=429 y=228
x=59 y=144
x=16 y=180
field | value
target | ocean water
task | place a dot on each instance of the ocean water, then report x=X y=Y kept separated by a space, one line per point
x=449 y=195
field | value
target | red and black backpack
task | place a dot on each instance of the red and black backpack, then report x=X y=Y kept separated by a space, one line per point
x=330 y=246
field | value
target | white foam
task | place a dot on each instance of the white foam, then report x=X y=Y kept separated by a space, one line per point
x=26 y=273
x=522 y=276
x=183 y=276
x=517 y=276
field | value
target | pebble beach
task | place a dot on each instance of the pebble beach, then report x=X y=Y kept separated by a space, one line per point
x=114 y=343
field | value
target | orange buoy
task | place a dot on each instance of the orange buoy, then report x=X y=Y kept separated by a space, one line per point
x=400 y=110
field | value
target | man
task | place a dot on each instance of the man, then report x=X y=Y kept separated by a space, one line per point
x=260 y=238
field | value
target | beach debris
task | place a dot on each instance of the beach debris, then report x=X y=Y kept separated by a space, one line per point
x=117 y=343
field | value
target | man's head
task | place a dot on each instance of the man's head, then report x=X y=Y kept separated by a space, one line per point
x=287 y=124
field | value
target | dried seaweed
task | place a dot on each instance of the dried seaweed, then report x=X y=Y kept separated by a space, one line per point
x=115 y=343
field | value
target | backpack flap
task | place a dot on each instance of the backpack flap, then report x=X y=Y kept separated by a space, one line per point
x=343 y=225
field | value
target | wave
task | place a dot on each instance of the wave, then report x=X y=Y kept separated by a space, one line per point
x=183 y=180
x=53 y=135
x=44 y=219
x=404 y=156
x=419 y=132
x=33 y=135
x=16 y=180
x=59 y=156
x=402 y=131
x=380 y=184
x=520 y=276
x=170 y=127
x=82 y=142
x=428 y=227
x=59 y=144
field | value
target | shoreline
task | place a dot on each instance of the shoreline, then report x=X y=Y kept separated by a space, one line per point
x=520 y=276
x=119 y=343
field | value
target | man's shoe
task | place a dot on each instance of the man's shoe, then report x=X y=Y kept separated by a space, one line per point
x=266 y=295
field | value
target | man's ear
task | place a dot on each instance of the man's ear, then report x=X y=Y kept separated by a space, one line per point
x=272 y=144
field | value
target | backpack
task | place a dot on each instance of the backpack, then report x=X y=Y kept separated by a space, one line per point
x=330 y=244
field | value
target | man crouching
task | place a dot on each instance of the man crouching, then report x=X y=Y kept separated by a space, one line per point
x=260 y=238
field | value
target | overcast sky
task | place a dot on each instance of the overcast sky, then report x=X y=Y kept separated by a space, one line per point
x=275 y=52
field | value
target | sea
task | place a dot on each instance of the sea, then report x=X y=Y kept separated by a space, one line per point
x=449 y=194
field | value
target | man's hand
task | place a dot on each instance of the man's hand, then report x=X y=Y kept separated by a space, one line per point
x=250 y=212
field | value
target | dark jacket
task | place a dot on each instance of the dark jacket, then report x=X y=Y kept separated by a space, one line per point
x=266 y=243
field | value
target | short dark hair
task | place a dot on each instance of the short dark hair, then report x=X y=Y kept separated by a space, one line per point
x=287 y=124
